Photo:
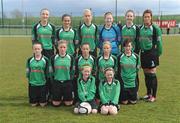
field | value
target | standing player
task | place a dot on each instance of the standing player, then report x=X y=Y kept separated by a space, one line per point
x=88 y=32
x=128 y=66
x=44 y=32
x=150 y=44
x=37 y=70
x=109 y=91
x=86 y=89
x=110 y=32
x=62 y=86
x=67 y=33
x=130 y=31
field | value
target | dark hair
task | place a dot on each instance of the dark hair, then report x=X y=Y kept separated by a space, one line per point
x=108 y=13
x=37 y=42
x=44 y=9
x=108 y=69
x=148 y=11
x=129 y=11
x=65 y=15
x=85 y=44
x=126 y=42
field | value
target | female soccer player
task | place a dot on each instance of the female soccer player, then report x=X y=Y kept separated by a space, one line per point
x=88 y=32
x=44 y=32
x=86 y=89
x=150 y=44
x=67 y=33
x=130 y=31
x=110 y=32
x=128 y=65
x=37 y=70
x=62 y=86
x=109 y=91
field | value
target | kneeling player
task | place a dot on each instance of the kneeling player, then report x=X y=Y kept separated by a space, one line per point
x=128 y=66
x=109 y=90
x=86 y=90
x=37 y=69
x=62 y=65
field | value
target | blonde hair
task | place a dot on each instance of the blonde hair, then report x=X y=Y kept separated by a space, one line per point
x=108 y=69
x=87 y=10
x=108 y=43
x=62 y=42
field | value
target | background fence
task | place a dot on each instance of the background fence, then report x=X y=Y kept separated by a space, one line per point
x=19 y=24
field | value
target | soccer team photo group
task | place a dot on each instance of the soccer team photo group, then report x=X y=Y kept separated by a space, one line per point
x=102 y=68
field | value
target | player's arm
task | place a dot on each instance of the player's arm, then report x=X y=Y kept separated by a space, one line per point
x=34 y=33
x=137 y=48
x=159 y=41
x=72 y=68
x=117 y=93
x=27 y=69
x=76 y=41
x=92 y=91
x=101 y=94
x=81 y=94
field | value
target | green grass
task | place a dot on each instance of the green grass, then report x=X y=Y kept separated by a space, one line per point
x=14 y=107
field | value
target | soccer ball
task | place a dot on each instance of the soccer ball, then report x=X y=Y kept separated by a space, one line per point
x=84 y=108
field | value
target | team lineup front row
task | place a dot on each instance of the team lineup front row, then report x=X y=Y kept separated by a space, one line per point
x=78 y=73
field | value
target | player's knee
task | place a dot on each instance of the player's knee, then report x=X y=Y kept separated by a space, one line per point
x=56 y=103
x=113 y=110
x=43 y=104
x=34 y=104
x=125 y=102
x=76 y=110
x=94 y=111
x=68 y=103
x=104 y=110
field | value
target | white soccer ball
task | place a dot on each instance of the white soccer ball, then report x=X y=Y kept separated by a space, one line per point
x=85 y=108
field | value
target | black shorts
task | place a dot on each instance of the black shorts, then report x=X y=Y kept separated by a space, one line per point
x=129 y=94
x=62 y=90
x=92 y=103
x=37 y=94
x=149 y=59
x=48 y=53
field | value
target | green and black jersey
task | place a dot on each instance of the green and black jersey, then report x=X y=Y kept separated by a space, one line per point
x=131 y=33
x=44 y=34
x=86 y=89
x=150 y=37
x=81 y=61
x=88 y=34
x=103 y=63
x=70 y=36
x=37 y=71
x=109 y=93
x=128 y=67
x=62 y=67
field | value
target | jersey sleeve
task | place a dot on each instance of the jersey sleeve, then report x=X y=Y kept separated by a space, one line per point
x=27 y=69
x=92 y=90
x=34 y=33
x=101 y=94
x=159 y=41
x=117 y=93
x=81 y=94
x=119 y=34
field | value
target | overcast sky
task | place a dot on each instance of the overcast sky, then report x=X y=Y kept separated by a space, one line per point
x=59 y=7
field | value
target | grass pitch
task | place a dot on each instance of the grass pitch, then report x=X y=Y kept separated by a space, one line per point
x=14 y=107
